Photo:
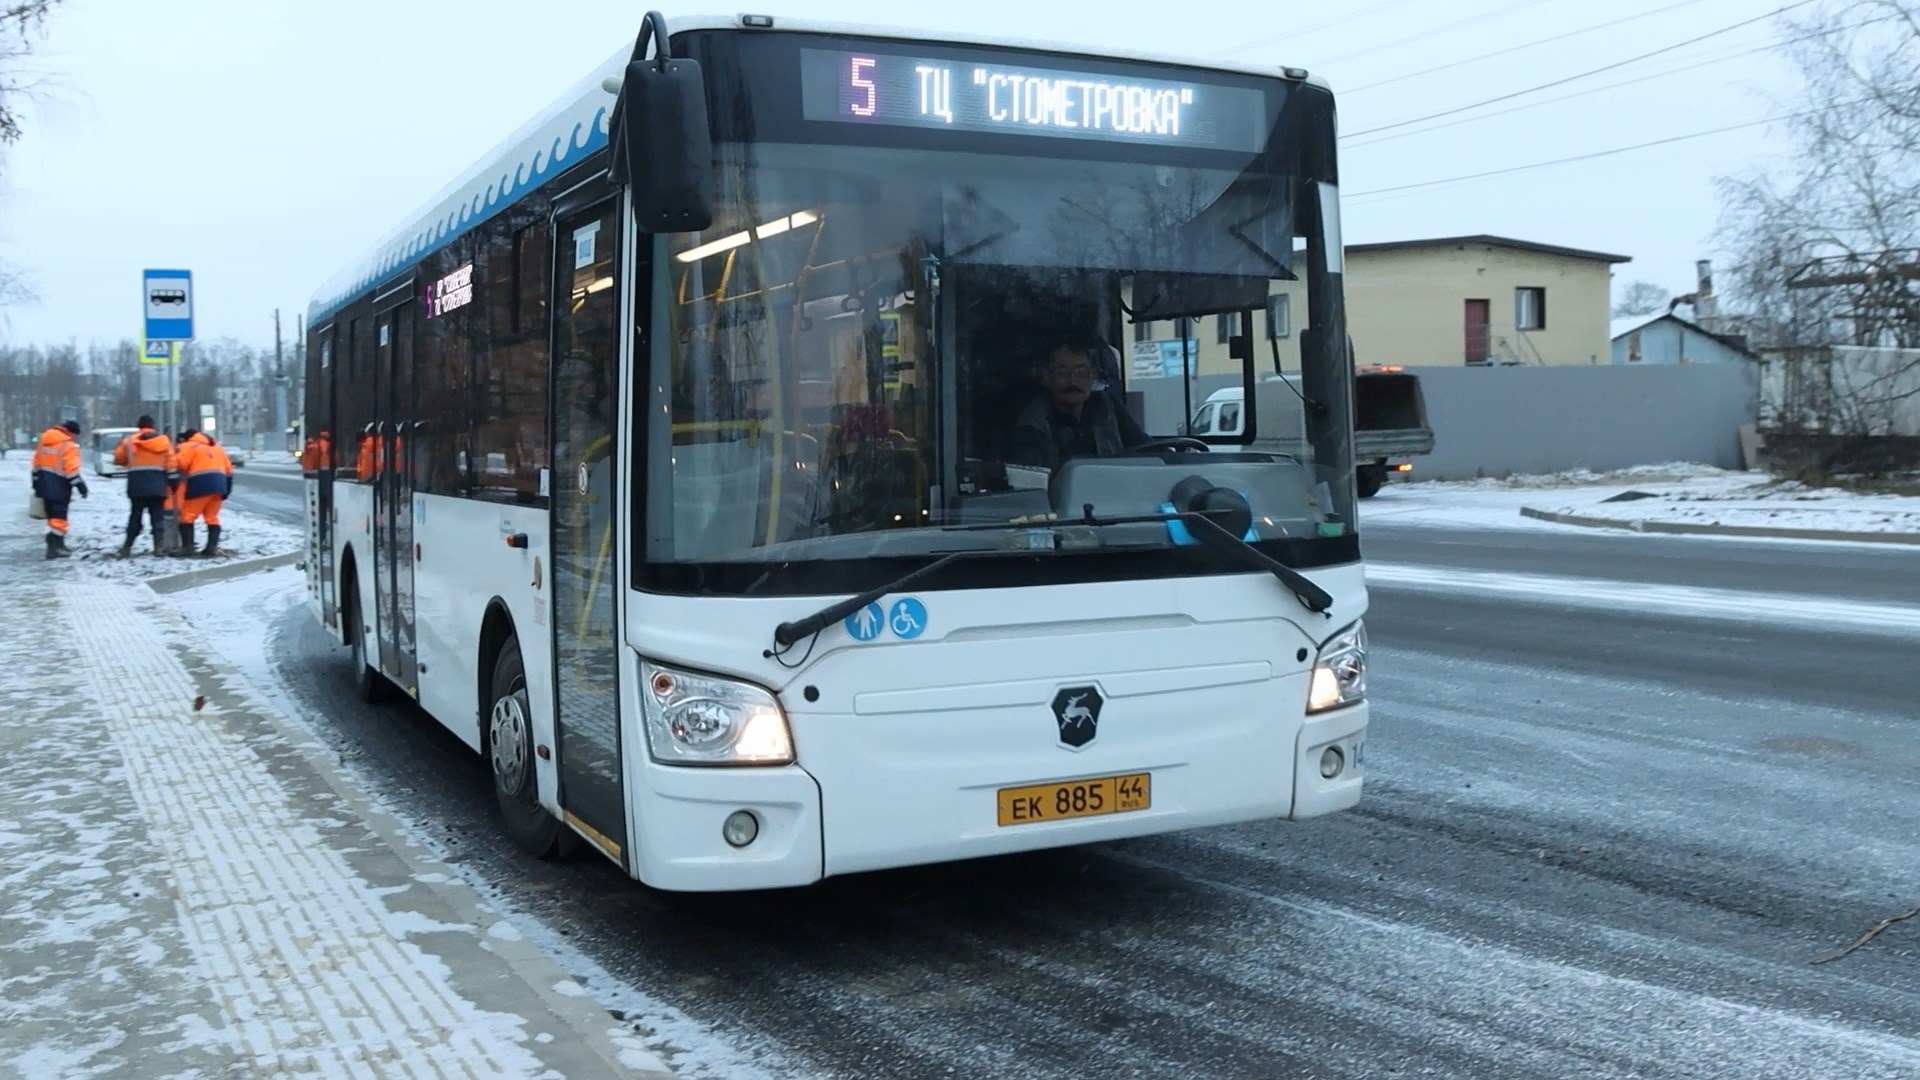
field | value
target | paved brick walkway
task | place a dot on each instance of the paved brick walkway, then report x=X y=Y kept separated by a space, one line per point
x=185 y=892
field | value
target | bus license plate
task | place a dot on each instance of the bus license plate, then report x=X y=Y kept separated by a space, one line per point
x=1066 y=799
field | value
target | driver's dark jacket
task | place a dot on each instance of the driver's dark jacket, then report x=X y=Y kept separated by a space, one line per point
x=1044 y=437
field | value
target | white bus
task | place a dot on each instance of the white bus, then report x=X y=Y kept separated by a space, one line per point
x=668 y=462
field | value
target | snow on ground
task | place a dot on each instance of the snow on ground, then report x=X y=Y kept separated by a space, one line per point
x=98 y=525
x=1603 y=594
x=236 y=619
x=1677 y=493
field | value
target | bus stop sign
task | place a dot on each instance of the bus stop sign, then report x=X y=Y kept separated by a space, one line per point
x=169 y=305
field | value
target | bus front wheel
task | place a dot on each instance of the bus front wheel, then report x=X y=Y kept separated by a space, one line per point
x=368 y=684
x=516 y=788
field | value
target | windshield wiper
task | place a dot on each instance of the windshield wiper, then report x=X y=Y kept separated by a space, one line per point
x=1214 y=535
x=1210 y=532
x=787 y=633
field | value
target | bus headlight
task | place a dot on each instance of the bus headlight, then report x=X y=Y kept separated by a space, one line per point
x=704 y=720
x=1340 y=671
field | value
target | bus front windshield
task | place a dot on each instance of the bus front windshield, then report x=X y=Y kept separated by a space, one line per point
x=887 y=353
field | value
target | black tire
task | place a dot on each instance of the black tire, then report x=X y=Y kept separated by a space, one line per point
x=1369 y=479
x=509 y=741
x=371 y=686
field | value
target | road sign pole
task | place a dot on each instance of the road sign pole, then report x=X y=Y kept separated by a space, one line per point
x=168 y=319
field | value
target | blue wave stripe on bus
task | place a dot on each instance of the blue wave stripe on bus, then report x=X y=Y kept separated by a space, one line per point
x=567 y=132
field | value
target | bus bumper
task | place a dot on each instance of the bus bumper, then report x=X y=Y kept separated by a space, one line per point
x=681 y=846
x=905 y=789
x=884 y=795
x=1344 y=732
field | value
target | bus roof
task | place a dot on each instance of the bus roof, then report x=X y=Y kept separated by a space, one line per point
x=574 y=126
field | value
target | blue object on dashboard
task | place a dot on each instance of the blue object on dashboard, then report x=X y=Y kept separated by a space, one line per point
x=1177 y=530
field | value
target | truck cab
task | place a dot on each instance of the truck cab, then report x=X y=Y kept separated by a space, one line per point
x=1390 y=419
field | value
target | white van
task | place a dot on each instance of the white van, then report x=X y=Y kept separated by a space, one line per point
x=101 y=443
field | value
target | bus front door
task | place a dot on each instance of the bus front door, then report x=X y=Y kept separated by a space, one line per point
x=396 y=487
x=585 y=540
x=376 y=471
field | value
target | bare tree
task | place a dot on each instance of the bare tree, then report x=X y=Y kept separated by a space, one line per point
x=1826 y=251
x=21 y=21
x=1641 y=298
x=13 y=288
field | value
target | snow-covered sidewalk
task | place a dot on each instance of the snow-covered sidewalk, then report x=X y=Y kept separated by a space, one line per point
x=98 y=524
x=1678 y=498
x=188 y=887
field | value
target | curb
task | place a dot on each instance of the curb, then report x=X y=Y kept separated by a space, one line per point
x=172 y=583
x=1678 y=528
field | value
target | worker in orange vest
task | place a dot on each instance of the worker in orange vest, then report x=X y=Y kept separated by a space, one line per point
x=148 y=458
x=315 y=456
x=209 y=480
x=370 y=459
x=56 y=476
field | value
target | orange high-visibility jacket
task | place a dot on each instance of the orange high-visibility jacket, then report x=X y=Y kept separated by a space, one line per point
x=370 y=459
x=147 y=456
x=56 y=465
x=205 y=465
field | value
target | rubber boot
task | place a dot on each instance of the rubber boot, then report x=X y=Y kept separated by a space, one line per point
x=53 y=547
x=126 y=549
x=213 y=542
x=186 y=542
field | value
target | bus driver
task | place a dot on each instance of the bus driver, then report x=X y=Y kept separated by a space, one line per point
x=1068 y=418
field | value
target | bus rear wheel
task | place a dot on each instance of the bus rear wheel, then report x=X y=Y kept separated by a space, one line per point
x=516 y=788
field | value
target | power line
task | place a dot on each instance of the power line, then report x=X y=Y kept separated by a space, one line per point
x=1584 y=74
x=1303 y=31
x=1518 y=48
x=1575 y=158
x=1426 y=34
x=1635 y=81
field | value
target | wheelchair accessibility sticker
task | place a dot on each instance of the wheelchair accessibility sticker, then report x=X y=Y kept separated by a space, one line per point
x=906 y=619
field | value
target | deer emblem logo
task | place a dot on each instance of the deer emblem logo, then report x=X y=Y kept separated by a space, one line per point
x=1076 y=710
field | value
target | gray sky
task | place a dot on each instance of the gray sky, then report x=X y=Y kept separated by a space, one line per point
x=264 y=143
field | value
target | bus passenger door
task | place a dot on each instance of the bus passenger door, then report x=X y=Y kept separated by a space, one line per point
x=396 y=487
x=585 y=540
x=320 y=416
x=377 y=471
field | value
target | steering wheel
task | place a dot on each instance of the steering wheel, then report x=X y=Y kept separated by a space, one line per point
x=1177 y=442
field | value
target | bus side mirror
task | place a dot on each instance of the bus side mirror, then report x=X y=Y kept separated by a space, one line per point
x=666 y=147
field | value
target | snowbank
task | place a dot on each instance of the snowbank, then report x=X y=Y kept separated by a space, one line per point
x=1677 y=493
x=1767 y=504
x=98 y=525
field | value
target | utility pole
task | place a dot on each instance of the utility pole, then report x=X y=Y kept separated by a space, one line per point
x=279 y=382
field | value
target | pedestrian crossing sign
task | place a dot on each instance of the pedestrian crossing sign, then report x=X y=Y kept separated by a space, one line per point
x=159 y=352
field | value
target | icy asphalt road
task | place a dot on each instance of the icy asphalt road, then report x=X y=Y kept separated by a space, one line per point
x=1598 y=840
x=272 y=488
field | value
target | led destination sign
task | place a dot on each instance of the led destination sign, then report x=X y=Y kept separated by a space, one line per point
x=904 y=91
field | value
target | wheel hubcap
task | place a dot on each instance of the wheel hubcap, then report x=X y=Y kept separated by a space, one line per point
x=507 y=734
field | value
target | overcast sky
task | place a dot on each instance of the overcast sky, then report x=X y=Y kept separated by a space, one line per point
x=264 y=143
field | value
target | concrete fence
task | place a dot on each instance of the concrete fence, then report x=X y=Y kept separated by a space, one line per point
x=1502 y=421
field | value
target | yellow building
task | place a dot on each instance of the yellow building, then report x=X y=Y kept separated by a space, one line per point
x=1442 y=302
